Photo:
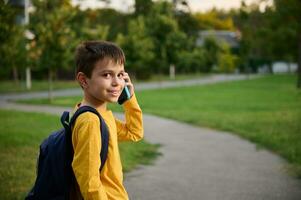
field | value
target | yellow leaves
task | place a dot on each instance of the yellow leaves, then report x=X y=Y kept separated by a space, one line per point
x=211 y=20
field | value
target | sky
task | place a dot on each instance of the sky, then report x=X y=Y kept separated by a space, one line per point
x=195 y=5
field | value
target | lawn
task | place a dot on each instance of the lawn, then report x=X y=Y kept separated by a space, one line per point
x=20 y=136
x=41 y=85
x=11 y=87
x=266 y=111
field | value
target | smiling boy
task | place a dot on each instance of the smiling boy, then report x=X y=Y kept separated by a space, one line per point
x=101 y=75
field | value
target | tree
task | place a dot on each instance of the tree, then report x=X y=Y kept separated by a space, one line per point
x=258 y=41
x=192 y=61
x=226 y=61
x=187 y=23
x=54 y=37
x=168 y=39
x=288 y=16
x=212 y=50
x=271 y=34
x=12 y=47
x=138 y=48
x=213 y=20
x=109 y=23
x=142 y=7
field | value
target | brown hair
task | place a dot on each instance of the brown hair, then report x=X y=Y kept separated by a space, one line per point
x=90 y=52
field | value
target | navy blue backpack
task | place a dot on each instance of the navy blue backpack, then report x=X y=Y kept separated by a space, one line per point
x=54 y=170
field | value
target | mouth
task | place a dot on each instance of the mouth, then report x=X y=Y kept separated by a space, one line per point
x=114 y=93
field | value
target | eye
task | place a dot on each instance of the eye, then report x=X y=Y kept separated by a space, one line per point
x=106 y=75
x=120 y=75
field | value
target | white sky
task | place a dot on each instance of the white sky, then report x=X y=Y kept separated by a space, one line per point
x=195 y=5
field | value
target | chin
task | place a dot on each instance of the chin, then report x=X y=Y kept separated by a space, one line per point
x=113 y=100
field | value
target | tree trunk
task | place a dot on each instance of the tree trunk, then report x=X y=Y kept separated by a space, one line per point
x=16 y=75
x=50 y=85
x=28 y=78
x=172 y=72
x=299 y=61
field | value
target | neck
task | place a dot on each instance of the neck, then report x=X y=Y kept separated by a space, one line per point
x=95 y=104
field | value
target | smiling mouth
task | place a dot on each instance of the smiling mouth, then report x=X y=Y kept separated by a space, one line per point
x=115 y=93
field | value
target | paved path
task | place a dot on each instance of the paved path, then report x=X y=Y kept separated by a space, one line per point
x=139 y=86
x=204 y=164
x=199 y=163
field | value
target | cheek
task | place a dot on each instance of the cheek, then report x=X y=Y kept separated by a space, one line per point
x=97 y=85
x=122 y=82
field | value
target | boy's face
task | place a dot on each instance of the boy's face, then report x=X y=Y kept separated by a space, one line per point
x=106 y=82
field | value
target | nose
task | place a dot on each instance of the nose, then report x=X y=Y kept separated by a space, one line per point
x=116 y=81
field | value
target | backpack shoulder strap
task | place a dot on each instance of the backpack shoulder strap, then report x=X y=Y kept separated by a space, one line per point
x=104 y=131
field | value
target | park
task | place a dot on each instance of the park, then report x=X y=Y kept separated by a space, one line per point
x=221 y=115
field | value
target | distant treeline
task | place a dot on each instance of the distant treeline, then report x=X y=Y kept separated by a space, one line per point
x=154 y=36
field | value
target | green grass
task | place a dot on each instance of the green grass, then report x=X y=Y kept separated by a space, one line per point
x=266 y=111
x=20 y=136
x=11 y=87
x=178 y=77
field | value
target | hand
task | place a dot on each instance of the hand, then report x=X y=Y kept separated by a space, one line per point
x=128 y=83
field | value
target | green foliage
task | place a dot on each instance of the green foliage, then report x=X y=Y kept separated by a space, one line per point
x=213 y=20
x=188 y=24
x=194 y=61
x=54 y=37
x=226 y=61
x=100 y=32
x=168 y=39
x=138 y=48
x=288 y=16
x=89 y=24
x=156 y=36
x=269 y=35
x=116 y=21
x=142 y=7
x=258 y=39
x=212 y=49
x=12 y=47
x=287 y=19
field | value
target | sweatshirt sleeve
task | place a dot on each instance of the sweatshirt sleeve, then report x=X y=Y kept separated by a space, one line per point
x=132 y=128
x=86 y=162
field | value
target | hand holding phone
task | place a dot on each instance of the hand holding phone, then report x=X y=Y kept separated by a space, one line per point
x=128 y=89
x=125 y=95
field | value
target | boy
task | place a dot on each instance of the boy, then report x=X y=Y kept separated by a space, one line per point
x=100 y=73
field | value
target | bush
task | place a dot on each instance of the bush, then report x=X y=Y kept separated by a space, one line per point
x=227 y=62
x=194 y=61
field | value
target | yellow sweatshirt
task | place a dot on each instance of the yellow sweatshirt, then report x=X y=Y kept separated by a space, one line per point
x=86 y=140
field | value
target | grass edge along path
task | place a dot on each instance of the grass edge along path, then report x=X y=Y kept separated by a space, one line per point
x=20 y=136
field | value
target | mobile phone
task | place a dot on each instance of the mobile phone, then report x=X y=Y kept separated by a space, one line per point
x=125 y=95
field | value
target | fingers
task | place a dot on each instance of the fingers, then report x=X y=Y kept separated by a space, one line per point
x=128 y=82
x=126 y=77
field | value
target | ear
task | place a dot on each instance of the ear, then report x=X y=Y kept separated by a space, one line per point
x=82 y=79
